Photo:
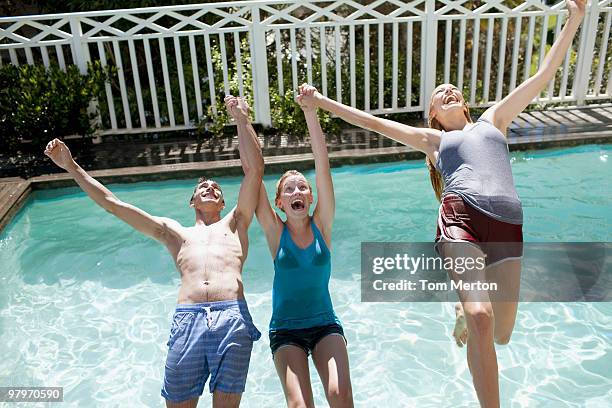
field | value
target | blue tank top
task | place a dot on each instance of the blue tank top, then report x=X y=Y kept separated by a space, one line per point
x=475 y=165
x=300 y=292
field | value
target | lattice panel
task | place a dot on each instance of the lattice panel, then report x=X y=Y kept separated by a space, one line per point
x=167 y=22
x=494 y=7
x=49 y=32
x=344 y=11
x=605 y=3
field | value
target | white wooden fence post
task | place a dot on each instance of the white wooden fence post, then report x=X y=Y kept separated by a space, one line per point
x=585 y=53
x=429 y=35
x=259 y=69
x=80 y=52
x=80 y=55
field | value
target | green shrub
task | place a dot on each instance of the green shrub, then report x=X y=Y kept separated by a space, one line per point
x=38 y=103
x=287 y=116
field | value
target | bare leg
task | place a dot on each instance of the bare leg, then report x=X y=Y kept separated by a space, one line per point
x=479 y=319
x=192 y=403
x=481 y=355
x=508 y=276
x=331 y=359
x=292 y=367
x=505 y=302
x=226 y=400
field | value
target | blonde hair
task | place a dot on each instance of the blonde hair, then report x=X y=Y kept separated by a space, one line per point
x=281 y=181
x=437 y=182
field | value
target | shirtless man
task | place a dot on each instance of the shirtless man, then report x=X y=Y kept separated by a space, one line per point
x=212 y=331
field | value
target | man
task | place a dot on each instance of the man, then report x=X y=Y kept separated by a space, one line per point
x=212 y=332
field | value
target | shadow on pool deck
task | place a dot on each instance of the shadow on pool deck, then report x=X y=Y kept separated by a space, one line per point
x=180 y=159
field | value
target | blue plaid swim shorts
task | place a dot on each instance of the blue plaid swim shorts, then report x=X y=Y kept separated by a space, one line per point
x=208 y=340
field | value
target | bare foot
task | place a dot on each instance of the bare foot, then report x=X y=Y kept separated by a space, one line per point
x=460 y=333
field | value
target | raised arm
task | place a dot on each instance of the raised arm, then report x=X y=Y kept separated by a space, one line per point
x=425 y=140
x=159 y=228
x=505 y=111
x=326 y=202
x=269 y=220
x=251 y=159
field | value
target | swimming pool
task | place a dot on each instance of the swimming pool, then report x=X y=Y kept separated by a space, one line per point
x=85 y=302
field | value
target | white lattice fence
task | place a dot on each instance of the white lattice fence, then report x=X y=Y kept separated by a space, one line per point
x=382 y=56
x=520 y=55
x=181 y=30
x=146 y=97
x=598 y=53
x=512 y=37
x=486 y=50
x=357 y=38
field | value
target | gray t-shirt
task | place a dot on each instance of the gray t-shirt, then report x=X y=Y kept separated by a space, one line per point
x=475 y=165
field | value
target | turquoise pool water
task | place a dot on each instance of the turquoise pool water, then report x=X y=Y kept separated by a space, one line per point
x=85 y=302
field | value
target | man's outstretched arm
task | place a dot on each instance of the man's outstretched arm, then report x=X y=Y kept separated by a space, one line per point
x=156 y=227
x=251 y=158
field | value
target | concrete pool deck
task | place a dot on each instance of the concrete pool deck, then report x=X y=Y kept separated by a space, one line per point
x=531 y=130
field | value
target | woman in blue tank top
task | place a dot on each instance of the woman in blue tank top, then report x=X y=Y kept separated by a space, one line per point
x=471 y=176
x=303 y=320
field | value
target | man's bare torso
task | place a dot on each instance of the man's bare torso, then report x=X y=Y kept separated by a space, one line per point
x=209 y=259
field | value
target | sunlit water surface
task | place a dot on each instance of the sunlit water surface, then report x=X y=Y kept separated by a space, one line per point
x=85 y=302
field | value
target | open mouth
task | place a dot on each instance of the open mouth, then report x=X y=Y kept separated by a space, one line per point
x=297 y=205
x=209 y=194
x=451 y=99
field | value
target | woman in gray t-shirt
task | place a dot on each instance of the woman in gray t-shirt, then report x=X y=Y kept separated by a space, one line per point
x=480 y=213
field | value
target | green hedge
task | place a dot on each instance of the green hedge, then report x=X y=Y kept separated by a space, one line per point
x=38 y=103
x=287 y=116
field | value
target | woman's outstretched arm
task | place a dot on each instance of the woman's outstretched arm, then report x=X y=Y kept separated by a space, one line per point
x=505 y=111
x=425 y=140
x=326 y=202
x=270 y=222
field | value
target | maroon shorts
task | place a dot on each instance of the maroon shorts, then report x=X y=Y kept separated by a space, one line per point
x=459 y=221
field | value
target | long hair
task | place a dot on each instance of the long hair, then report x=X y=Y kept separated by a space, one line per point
x=437 y=183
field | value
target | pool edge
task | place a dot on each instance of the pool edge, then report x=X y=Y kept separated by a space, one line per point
x=20 y=189
x=13 y=196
